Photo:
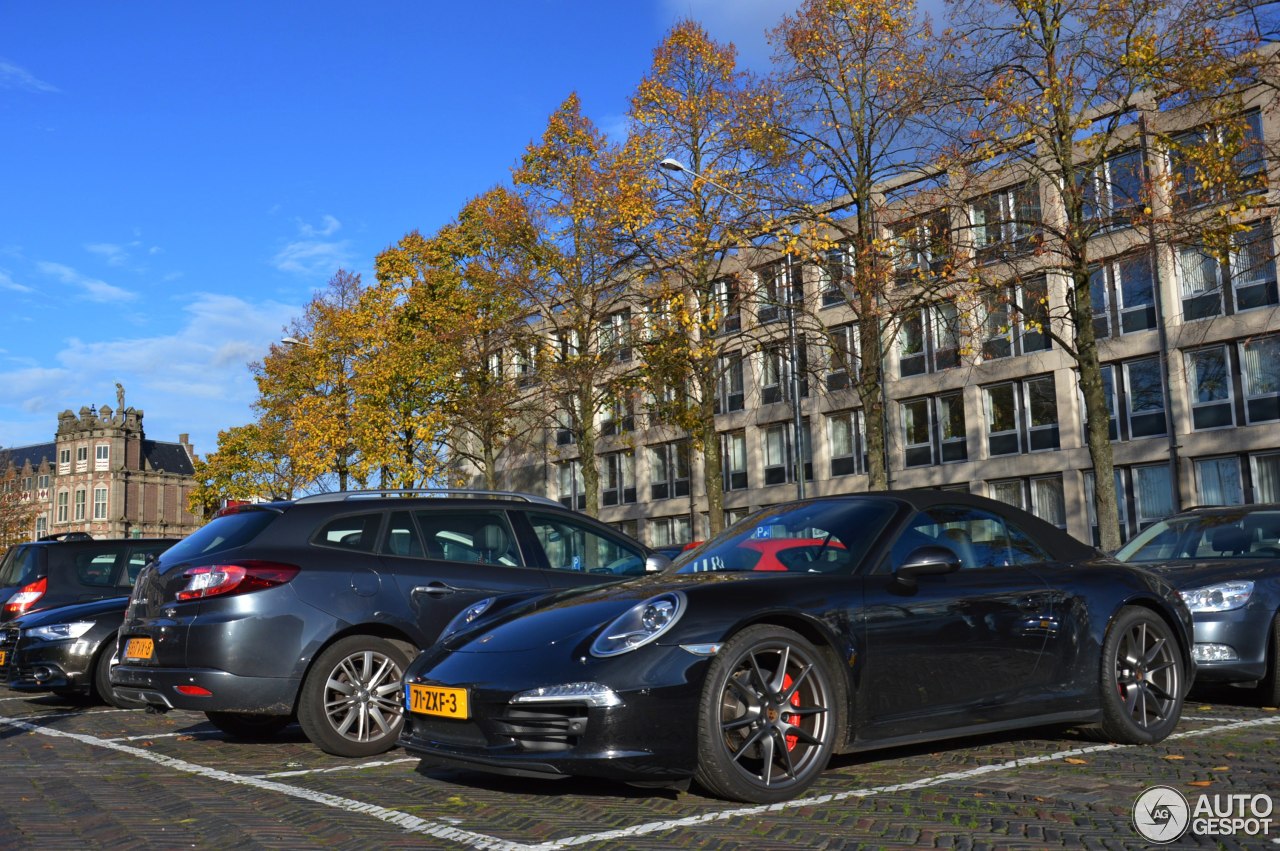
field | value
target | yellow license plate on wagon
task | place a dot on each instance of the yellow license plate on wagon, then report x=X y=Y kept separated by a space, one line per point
x=435 y=700
x=139 y=648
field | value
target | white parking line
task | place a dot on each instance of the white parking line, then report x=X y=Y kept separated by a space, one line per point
x=414 y=824
x=350 y=767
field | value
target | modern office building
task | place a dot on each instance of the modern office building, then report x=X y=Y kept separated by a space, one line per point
x=978 y=396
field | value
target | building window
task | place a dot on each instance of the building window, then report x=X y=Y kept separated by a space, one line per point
x=728 y=305
x=630 y=528
x=669 y=470
x=1015 y=320
x=79 y=504
x=1005 y=223
x=42 y=526
x=82 y=459
x=1123 y=295
x=837 y=269
x=1209 y=383
x=573 y=493
x=1250 y=269
x=775 y=372
x=64 y=461
x=934 y=430
x=1193 y=184
x=669 y=531
x=1122 y=506
x=42 y=481
x=619 y=417
x=1152 y=493
x=847 y=437
x=1218 y=481
x=619 y=485
x=62 y=506
x=1260 y=378
x=778 y=284
x=842 y=355
x=1266 y=476
x=1113 y=193
x=733 y=454
x=930 y=340
x=567 y=344
x=733 y=515
x=1022 y=416
x=100 y=503
x=493 y=365
x=1140 y=396
x=101 y=456
x=524 y=360
x=729 y=386
x=1040 y=495
x=778 y=458
x=921 y=247
x=615 y=335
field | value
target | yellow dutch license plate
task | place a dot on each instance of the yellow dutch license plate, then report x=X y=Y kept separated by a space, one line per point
x=433 y=700
x=139 y=648
x=2 y=658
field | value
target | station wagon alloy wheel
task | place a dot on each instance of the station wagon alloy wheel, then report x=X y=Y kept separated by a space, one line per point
x=351 y=700
x=767 y=717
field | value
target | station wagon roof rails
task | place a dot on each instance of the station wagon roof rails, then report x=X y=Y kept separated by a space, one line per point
x=340 y=496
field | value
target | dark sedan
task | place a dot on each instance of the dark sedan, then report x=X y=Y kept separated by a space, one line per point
x=920 y=615
x=66 y=650
x=1226 y=564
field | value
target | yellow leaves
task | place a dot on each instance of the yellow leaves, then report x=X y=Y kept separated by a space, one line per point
x=1071 y=760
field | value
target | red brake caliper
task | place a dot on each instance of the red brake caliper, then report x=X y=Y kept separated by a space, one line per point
x=792 y=741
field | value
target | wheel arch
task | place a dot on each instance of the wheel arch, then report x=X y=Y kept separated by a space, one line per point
x=388 y=632
x=839 y=657
x=1185 y=638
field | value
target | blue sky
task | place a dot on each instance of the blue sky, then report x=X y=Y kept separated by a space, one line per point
x=178 y=179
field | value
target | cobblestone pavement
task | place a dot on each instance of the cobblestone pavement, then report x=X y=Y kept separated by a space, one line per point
x=82 y=776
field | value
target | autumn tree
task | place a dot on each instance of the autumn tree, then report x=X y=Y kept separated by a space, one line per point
x=697 y=109
x=580 y=193
x=408 y=367
x=862 y=89
x=309 y=384
x=1054 y=87
x=252 y=462
x=17 y=510
x=490 y=249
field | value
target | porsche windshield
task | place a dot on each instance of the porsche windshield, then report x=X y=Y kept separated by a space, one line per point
x=823 y=537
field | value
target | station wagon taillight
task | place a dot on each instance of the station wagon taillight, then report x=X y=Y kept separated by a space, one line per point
x=27 y=596
x=217 y=580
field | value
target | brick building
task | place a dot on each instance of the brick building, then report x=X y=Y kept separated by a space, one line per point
x=102 y=475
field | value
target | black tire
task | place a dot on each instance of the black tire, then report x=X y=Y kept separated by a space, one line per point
x=100 y=678
x=1269 y=685
x=1142 y=680
x=767 y=717
x=243 y=725
x=351 y=702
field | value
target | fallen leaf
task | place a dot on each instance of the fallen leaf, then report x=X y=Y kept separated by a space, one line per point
x=186 y=738
x=1221 y=768
x=1071 y=760
x=1173 y=756
x=1200 y=783
x=1204 y=708
x=979 y=794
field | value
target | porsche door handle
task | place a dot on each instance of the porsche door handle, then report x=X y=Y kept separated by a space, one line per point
x=435 y=589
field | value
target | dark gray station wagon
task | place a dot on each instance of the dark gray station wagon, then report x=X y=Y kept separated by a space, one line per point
x=312 y=609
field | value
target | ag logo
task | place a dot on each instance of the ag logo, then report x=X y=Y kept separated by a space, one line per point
x=1161 y=814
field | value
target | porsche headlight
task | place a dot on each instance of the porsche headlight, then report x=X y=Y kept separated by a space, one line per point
x=465 y=617
x=640 y=624
x=59 y=631
x=1220 y=597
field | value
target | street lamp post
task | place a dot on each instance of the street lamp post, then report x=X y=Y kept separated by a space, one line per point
x=797 y=421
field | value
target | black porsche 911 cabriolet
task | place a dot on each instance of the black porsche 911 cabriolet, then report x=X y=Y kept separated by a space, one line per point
x=913 y=616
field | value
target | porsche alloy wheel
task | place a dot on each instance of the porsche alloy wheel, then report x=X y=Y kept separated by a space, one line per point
x=767 y=718
x=1142 y=680
x=351 y=702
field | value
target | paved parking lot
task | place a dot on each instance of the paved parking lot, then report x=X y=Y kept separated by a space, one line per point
x=80 y=776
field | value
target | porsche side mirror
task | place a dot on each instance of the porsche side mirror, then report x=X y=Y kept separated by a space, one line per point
x=927 y=561
x=656 y=563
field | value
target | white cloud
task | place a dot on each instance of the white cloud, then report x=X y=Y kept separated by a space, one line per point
x=312 y=255
x=13 y=77
x=93 y=289
x=8 y=283
x=115 y=255
x=193 y=379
